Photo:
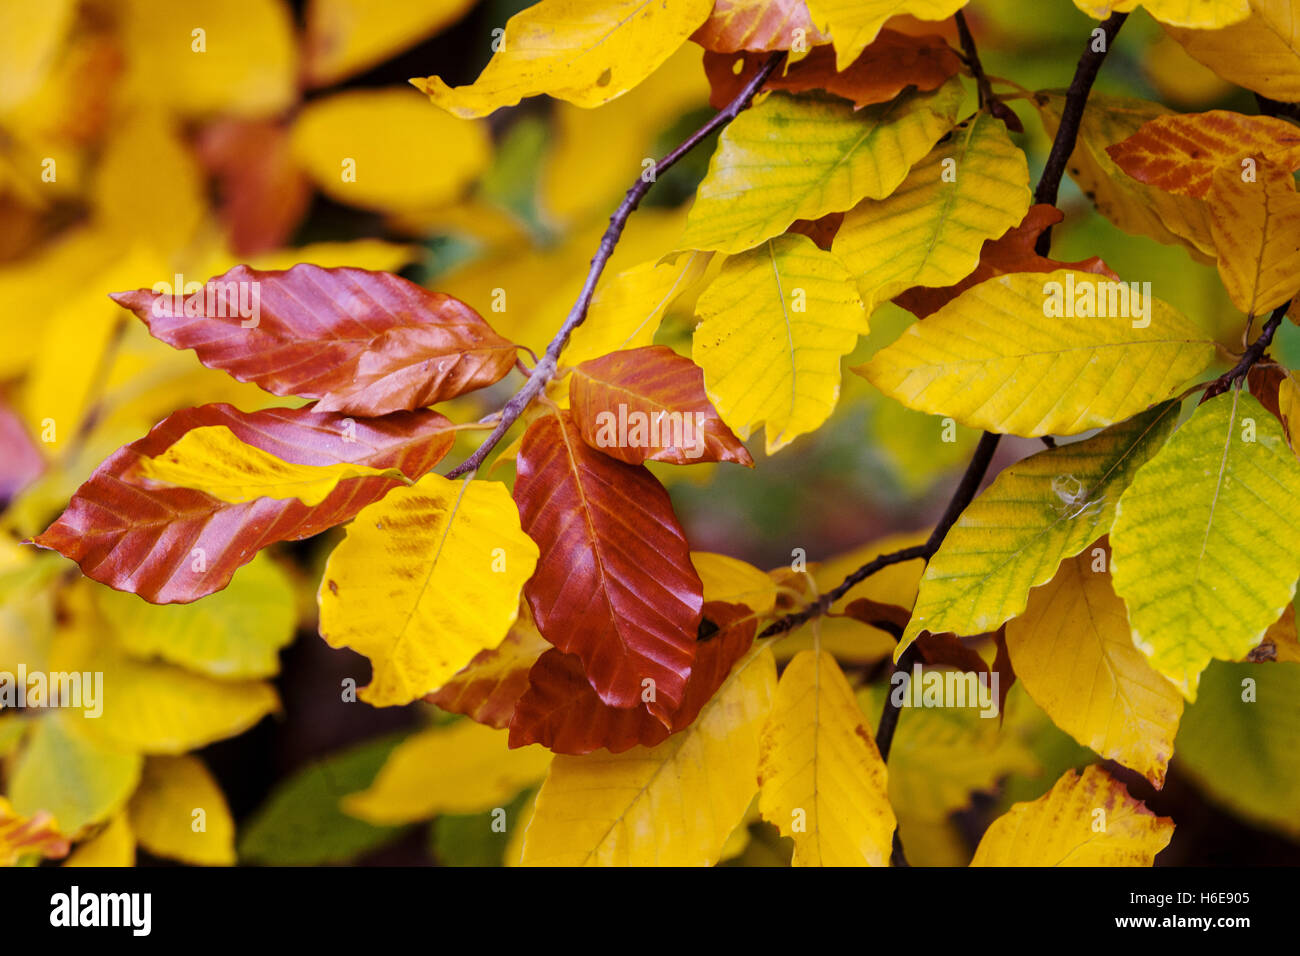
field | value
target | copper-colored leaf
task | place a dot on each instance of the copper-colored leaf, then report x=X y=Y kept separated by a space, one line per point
x=821 y=231
x=263 y=192
x=487 y=688
x=364 y=343
x=562 y=712
x=174 y=545
x=892 y=63
x=758 y=25
x=876 y=612
x=649 y=404
x=1180 y=152
x=1012 y=252
x=614 y=584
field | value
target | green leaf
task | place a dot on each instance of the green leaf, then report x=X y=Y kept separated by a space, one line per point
x=1204 y=542
x=301 y=824
x=468 y=839
x=1034 y=515
x=802 y=157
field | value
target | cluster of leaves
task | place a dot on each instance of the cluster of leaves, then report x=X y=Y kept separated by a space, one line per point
x=639 y=678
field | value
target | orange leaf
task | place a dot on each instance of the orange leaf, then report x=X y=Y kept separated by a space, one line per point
x=758 y=25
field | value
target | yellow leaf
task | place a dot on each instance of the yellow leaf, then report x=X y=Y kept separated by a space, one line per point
x=626 y=310
x=930 y=231
x=1195 y=14
x=213 y=460
x=114 y=846
x=734 y=581
x=671 y=805
x=463 y=768
x=210 y=56
x=179 y=812
x=1087 y=820
x=1256 y=228
x=1035 y=514
x=236 y=632
x=425 y=579
x=1261 y=53
x=773 y=327
x=1202 y=545
x=586 y=52
x=822 y=780
x=71 y=777
x=801 y=157
x=347 y=36
x=385 y=149
x=1283 y=638
x=1132 y=206
x=1073 y=651
x=30 y=37
x=854 y=24
x=1021 y=355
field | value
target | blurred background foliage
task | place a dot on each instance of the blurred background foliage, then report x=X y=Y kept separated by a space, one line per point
x=166 y=162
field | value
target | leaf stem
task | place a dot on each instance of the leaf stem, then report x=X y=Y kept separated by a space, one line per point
x=549 y=363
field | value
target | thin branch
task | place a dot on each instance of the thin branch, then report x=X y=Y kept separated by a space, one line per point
x=972 y=58
x=1253 y=354
x=1071 y=118
x=549 y=363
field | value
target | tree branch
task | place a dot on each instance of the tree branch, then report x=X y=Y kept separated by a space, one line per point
x=547 y=366
x=1253 y=354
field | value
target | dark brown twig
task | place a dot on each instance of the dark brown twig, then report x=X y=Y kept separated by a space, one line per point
x=546 y=368
x=1253 y=354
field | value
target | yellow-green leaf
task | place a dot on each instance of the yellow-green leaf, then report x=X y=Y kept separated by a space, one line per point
x=212 y=459
x=425 y=579
x=1035 y=514
x=114 y=845
x=586 y=52
x=1196 y=14
x=671 y=805
x=853 y=24
x=236 y=632
x=179 y=812
x=773 y=327
x=1073 y=651
x=802 y=157
x=734 y=581
x=463 y=768
x=1203 y=544
x=822 y=781
x=77 y=780
x=929 y=232
x=1087 y=820
x=1003 y=357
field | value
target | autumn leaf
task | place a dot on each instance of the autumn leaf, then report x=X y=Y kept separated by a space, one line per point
x=972 y=187
x=179 y=812
x=855 y=24
x=130 y=537
x=757 y=185
x=1035 y=514
x=885 y=69
x=344 y=37
x=584 y=52
x=1179 y=153
x=649 y=404
x=1087 y=820
x=1004 y=358
x=1200 y=541
x=1195 y=14
x=1073 y=651
x=626 y=602
x=774 y=325
x=1013 y=251
x=758 y=25
x=1271 y=34
x=113 y=845
x=1255 y=224
x=364 y=343
x=732 y=581
x=646 y=807
x=822 y=780
x=425 y=579
x=22 y=836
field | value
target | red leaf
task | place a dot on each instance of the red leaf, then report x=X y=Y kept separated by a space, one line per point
x=614 y=584
x=143 y=540
x=649 y=404
x=487 y=688
x=759 y=25
x=364 y=343
x=1013 y=251
x=22 y=462
x=264 y=193
x=562 y=712
x=892 y=63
